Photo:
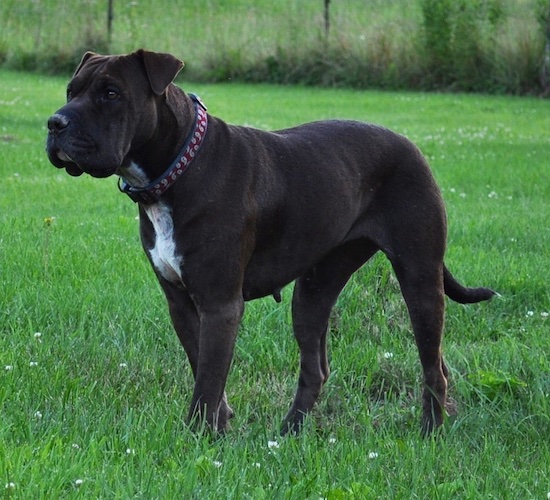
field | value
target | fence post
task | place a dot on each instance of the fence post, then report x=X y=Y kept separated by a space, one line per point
x=327 y=19
x=110 y=16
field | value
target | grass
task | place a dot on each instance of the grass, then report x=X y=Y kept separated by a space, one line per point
x=94 y=406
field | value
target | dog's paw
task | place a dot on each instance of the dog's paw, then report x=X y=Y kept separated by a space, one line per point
x=293 y=423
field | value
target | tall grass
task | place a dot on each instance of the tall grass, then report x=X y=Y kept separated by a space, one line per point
x=94 y=406
x=489 y=46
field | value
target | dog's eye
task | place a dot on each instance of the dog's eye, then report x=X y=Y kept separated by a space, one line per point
x=111 y=94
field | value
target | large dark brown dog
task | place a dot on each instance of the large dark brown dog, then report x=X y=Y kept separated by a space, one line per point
x=229 y=214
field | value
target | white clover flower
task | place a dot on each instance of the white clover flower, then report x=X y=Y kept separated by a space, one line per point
x=217 y=464
x=8 y=368
x=130 y=451
x=37 y=415
x=388 y=355
x=529 y=314
x=272 y=444
x=78 y=482
x=37 y=335
x=33 y=363
x=75 y=446
x=544 y=314
x=10 y=486
x=373 y=455
x=332 y=440
x=257 y=465
x=123 y=365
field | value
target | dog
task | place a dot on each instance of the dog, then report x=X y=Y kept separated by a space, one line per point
x=229 y=214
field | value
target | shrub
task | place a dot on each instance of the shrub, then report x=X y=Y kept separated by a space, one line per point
x=460 y=41
x=467 y=45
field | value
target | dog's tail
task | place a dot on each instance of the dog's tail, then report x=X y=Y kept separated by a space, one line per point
x=455 y=291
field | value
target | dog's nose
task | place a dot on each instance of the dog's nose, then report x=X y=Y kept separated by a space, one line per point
x=57 y=123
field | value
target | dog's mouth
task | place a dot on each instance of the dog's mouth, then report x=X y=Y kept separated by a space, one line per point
x=69 y=164
x=61 y=159
x=64 y=157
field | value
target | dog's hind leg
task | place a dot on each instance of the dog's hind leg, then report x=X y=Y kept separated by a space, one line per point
x=315 y=294
x=422 y=287
x=412 y=235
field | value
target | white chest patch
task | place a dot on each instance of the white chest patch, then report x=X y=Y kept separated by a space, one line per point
x=164 y=255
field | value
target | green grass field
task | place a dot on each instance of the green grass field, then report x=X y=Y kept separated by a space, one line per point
x=94 y=385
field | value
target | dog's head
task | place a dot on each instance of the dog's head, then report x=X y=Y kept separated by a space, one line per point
x=111 y=110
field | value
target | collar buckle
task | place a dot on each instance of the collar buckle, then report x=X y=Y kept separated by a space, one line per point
x=137 y=195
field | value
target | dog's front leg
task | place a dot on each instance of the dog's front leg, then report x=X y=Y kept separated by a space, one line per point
x=186 y=321
x=218 y=331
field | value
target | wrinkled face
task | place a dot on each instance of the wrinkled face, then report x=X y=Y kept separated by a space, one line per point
x=110 y=109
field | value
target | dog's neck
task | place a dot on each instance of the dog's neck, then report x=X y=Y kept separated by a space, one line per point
x=135 y=180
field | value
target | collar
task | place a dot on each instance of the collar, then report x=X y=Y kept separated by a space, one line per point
x=154 y=190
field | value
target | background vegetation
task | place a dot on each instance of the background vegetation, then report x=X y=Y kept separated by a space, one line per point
x=94 y=385
x=495 y=46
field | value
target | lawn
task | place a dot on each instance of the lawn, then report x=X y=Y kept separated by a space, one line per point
x=94 y=385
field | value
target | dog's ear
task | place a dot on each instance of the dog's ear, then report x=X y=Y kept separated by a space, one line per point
x=85 y=57
x=161 y=69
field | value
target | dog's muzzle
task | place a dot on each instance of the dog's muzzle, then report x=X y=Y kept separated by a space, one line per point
x=57 y=125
